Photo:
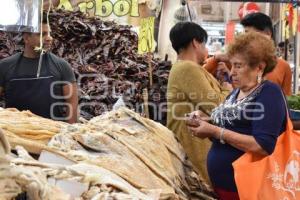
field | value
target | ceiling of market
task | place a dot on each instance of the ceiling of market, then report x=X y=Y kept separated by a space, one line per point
x=218 y=11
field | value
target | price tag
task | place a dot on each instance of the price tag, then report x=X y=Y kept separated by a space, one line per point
x=146 y=41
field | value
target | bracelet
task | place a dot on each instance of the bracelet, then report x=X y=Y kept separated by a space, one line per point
x=222 y=136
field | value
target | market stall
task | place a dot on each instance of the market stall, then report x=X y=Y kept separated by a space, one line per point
x=104 y=56
x=113 y=152
x=119 y=51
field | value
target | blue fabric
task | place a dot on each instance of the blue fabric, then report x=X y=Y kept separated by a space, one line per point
x=271 y=112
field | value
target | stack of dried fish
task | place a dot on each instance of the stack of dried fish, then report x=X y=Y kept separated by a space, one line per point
x=119 y=155
x=27 y=129
x=105 y=60
x=138 y=150
x=16 y=179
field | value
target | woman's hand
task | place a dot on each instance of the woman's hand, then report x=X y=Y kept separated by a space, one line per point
x=203 y=130
x=197 y=115
x=223 y=73
x=222 y=67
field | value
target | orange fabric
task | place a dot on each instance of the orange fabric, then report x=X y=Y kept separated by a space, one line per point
x=211 y=65
x=281 y=75
x=272 y=177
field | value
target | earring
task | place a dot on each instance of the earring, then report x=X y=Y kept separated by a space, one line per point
x=259 y=78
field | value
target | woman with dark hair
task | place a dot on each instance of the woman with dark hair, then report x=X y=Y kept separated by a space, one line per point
x=191 y=87
x=247 y=121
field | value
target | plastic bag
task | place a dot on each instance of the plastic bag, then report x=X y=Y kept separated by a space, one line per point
x=273 y=177
x=20 y=15
x=120 y=103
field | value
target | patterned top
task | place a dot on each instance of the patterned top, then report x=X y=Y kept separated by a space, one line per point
x=262 y=114
x=229 y=111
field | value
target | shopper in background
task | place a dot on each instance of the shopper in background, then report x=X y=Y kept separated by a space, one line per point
x=246 y=121
x=281 y=75
x=281 y=50
x=43 y=95
x=191 y=87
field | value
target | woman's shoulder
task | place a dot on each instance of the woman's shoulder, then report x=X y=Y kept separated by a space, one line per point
x=270 y=91
x=186 y=67
x=182 y=64
x=269 y=86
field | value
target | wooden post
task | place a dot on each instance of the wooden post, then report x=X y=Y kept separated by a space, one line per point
x=150 y=70
x=146 y=106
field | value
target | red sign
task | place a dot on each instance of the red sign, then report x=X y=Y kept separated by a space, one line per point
x=229 y=33
x=247 y=8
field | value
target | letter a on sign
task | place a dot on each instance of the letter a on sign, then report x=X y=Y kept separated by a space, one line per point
x=66 y=4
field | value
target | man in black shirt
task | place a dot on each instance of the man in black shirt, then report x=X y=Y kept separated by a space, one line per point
x=44 y=90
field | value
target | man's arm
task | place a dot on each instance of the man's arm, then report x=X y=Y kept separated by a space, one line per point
x=287 y=81
x=70 y=90
x=211 y=64
x=71 y=94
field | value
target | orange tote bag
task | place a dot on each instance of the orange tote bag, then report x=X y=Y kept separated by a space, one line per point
x=274 y=177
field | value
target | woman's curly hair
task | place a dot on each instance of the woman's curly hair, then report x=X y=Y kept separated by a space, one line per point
x=255 y=47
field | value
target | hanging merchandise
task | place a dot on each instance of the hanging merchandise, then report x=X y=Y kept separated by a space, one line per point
x=20 y=15
x=104 y=57
x=285 y=30
x=290 y=20
x=146 y=42
x=184 y=13
x=295 y=19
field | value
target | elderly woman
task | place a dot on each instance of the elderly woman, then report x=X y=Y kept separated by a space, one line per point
x=250 y=119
